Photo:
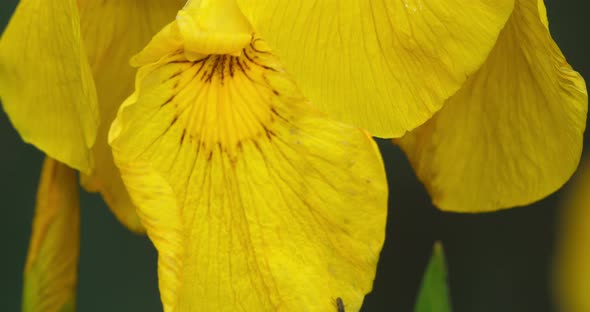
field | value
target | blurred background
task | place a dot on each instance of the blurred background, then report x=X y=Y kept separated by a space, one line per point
x=496 y=261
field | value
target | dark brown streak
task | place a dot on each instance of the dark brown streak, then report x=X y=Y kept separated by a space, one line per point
x=231 y=66
x=176 y=83
x=256 y=63
x=176 y=74
x=161 y=135
x=244 y=64
x=241 y=66
x=222 y=68
x=168 y=129
x=202 y=60
x=213 y=69
x=173 y=122
x=182 y=136
x=274 y=111
x=203 y=63
x=254 y=48
x=269 y=133
x=193 y=62
x=168 y=101
x=257 y=145
x=199 y=70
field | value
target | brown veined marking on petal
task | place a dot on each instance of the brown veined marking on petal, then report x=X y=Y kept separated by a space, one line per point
x=219 y=64
x=214 y=67
x=252 y=59
x=217 y=71
x=176 y=76
x=253 y=45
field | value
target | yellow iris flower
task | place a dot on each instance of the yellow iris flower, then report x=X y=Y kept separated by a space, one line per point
x=254 y=199
x=514 y=131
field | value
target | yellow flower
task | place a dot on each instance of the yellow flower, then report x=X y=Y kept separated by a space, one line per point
x=254 y=199
x=573 y=253
x=513 y=133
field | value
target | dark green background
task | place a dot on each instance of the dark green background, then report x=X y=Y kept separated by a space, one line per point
x=497 y=262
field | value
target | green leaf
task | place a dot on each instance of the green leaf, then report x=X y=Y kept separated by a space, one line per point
x=434 y=293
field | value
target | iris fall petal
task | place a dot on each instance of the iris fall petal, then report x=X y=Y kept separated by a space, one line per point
x=254 y=200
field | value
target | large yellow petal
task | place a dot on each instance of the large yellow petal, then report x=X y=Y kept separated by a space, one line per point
x=513 y=133
x=52 y=263
x=113 y=32
x=45 y=82
x=383 y=65
x=254 y=200
x=573 y=254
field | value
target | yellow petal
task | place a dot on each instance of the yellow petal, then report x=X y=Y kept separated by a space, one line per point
x=513 y=133
x=573 y=254
x=114 y=31
x=385 y=66
x=52 y=263
x=254 y=200
x=45 y=82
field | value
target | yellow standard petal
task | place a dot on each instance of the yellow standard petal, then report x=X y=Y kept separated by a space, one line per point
x=573 y=255
x=385 y=66
x=114 y=31
x=513 y=133
x=52 y=264
x=254 y=200
x=46 y=85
